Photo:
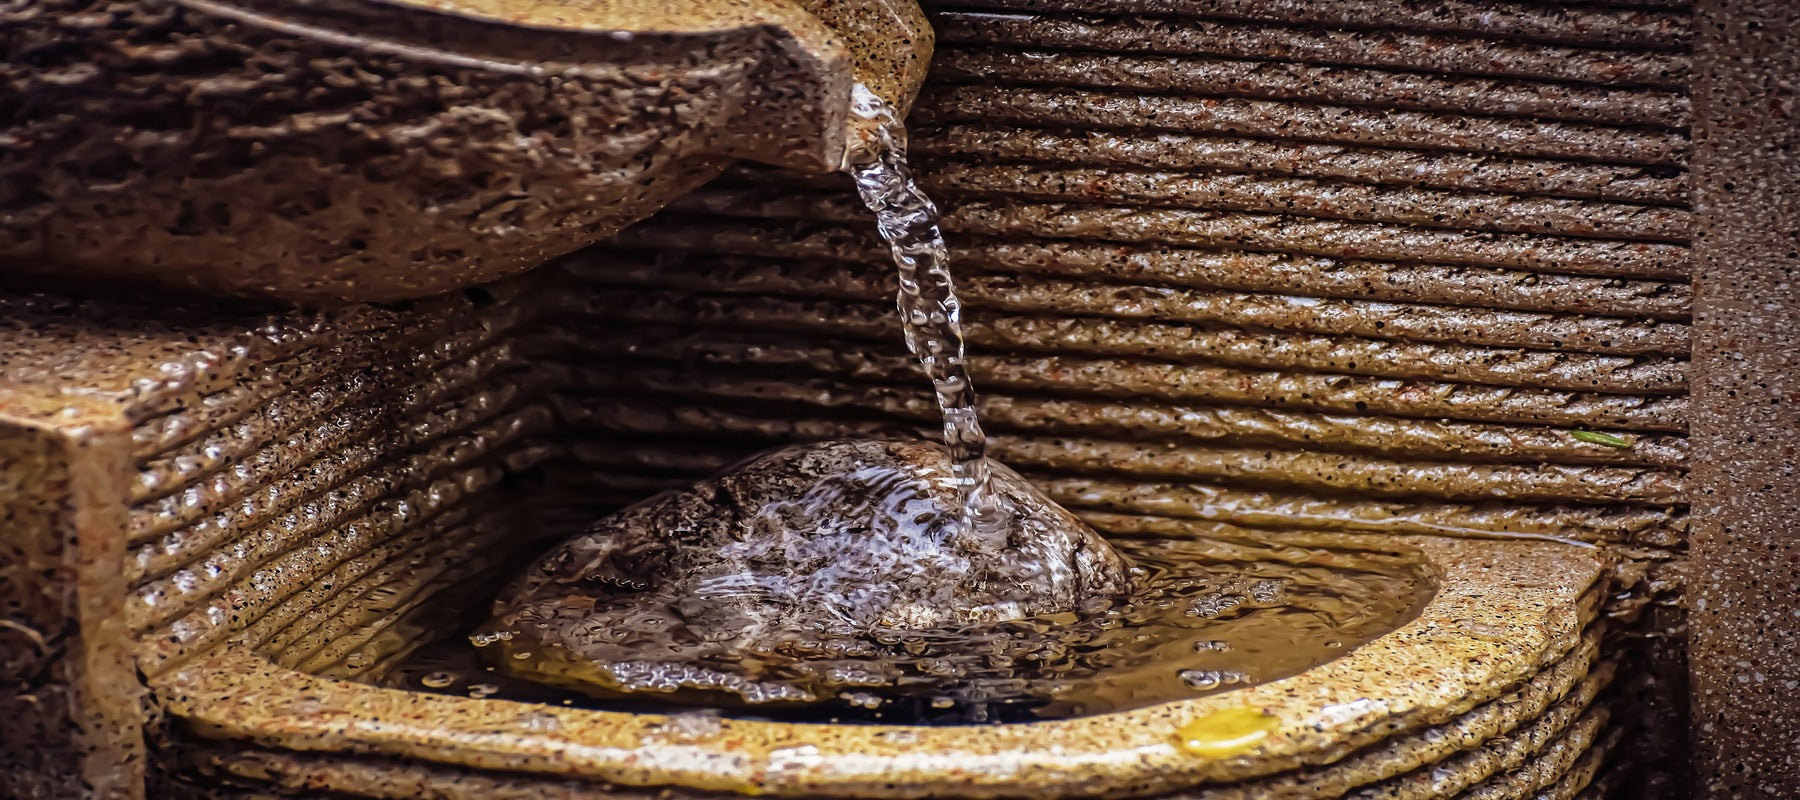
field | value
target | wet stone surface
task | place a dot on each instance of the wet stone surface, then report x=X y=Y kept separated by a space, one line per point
x=834 y=583
x=775 y=581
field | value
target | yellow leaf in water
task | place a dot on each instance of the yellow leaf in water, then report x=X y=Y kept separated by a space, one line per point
x=1227 y=733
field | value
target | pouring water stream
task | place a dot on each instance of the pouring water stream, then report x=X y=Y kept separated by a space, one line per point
x=1169 y=637
x=930 y=314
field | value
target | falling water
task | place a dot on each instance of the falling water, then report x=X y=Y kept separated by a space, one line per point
x=929 y=311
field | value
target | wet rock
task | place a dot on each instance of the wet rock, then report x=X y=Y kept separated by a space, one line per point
x=779 y=579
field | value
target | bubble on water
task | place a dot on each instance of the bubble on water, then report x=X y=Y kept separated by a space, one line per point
x=485 y=639
x=482 y=690
x=1268 y=592
x=1202 y=679
x=1211 y=646
x=437 y=680
x=1207 y=679
x=1212 y=605
x=861 y=699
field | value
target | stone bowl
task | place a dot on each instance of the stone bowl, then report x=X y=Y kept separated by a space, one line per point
x=1505 y=648
x=393 y=149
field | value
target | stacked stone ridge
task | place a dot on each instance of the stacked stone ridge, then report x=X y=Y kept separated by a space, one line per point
x=1237 y=267
x=187 y=475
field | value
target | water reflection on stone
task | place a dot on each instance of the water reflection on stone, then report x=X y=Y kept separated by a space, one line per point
x=831 y=583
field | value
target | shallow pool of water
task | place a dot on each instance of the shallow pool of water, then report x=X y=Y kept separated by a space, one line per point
x=1205 y=616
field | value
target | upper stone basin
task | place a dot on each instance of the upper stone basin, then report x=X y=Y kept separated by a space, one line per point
x=393 y=149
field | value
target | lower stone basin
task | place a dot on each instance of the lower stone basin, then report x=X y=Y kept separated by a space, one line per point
x=1504 y=648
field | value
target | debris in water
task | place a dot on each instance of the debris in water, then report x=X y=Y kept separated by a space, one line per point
x=437 y=680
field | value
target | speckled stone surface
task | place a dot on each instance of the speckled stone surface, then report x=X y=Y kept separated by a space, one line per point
x=1565 y=765
x=1745 y=572
x=166 y=468
x=1556 y=758
x=1566 y=769
x=70 y=723
x=366 y=150
x=1507 y=610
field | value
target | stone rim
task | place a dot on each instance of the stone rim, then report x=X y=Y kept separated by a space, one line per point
x=1505 y=610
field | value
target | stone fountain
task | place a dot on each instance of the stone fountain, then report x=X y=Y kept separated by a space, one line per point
x=307 y=306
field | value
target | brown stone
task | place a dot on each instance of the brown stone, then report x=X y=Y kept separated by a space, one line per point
x=1187 y=386
x=753 y=581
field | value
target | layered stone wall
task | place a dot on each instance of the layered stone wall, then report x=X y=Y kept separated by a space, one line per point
x=1240 y=266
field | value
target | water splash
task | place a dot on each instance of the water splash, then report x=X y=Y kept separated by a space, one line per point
x=929 y=311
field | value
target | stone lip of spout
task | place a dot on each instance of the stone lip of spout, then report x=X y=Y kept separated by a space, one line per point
x=379 y=150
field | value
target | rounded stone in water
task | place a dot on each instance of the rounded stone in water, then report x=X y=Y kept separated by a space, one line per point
x=786 y=578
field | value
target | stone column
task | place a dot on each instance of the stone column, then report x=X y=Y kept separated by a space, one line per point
x=1745 y=546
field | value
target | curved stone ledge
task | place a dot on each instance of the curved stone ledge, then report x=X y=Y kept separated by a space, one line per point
x=1506 y=612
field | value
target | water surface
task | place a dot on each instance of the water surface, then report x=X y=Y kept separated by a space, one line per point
x=1205 y=616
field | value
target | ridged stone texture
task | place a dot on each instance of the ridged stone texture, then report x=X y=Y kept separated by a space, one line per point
x=269 y=511
x=1260 y=266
